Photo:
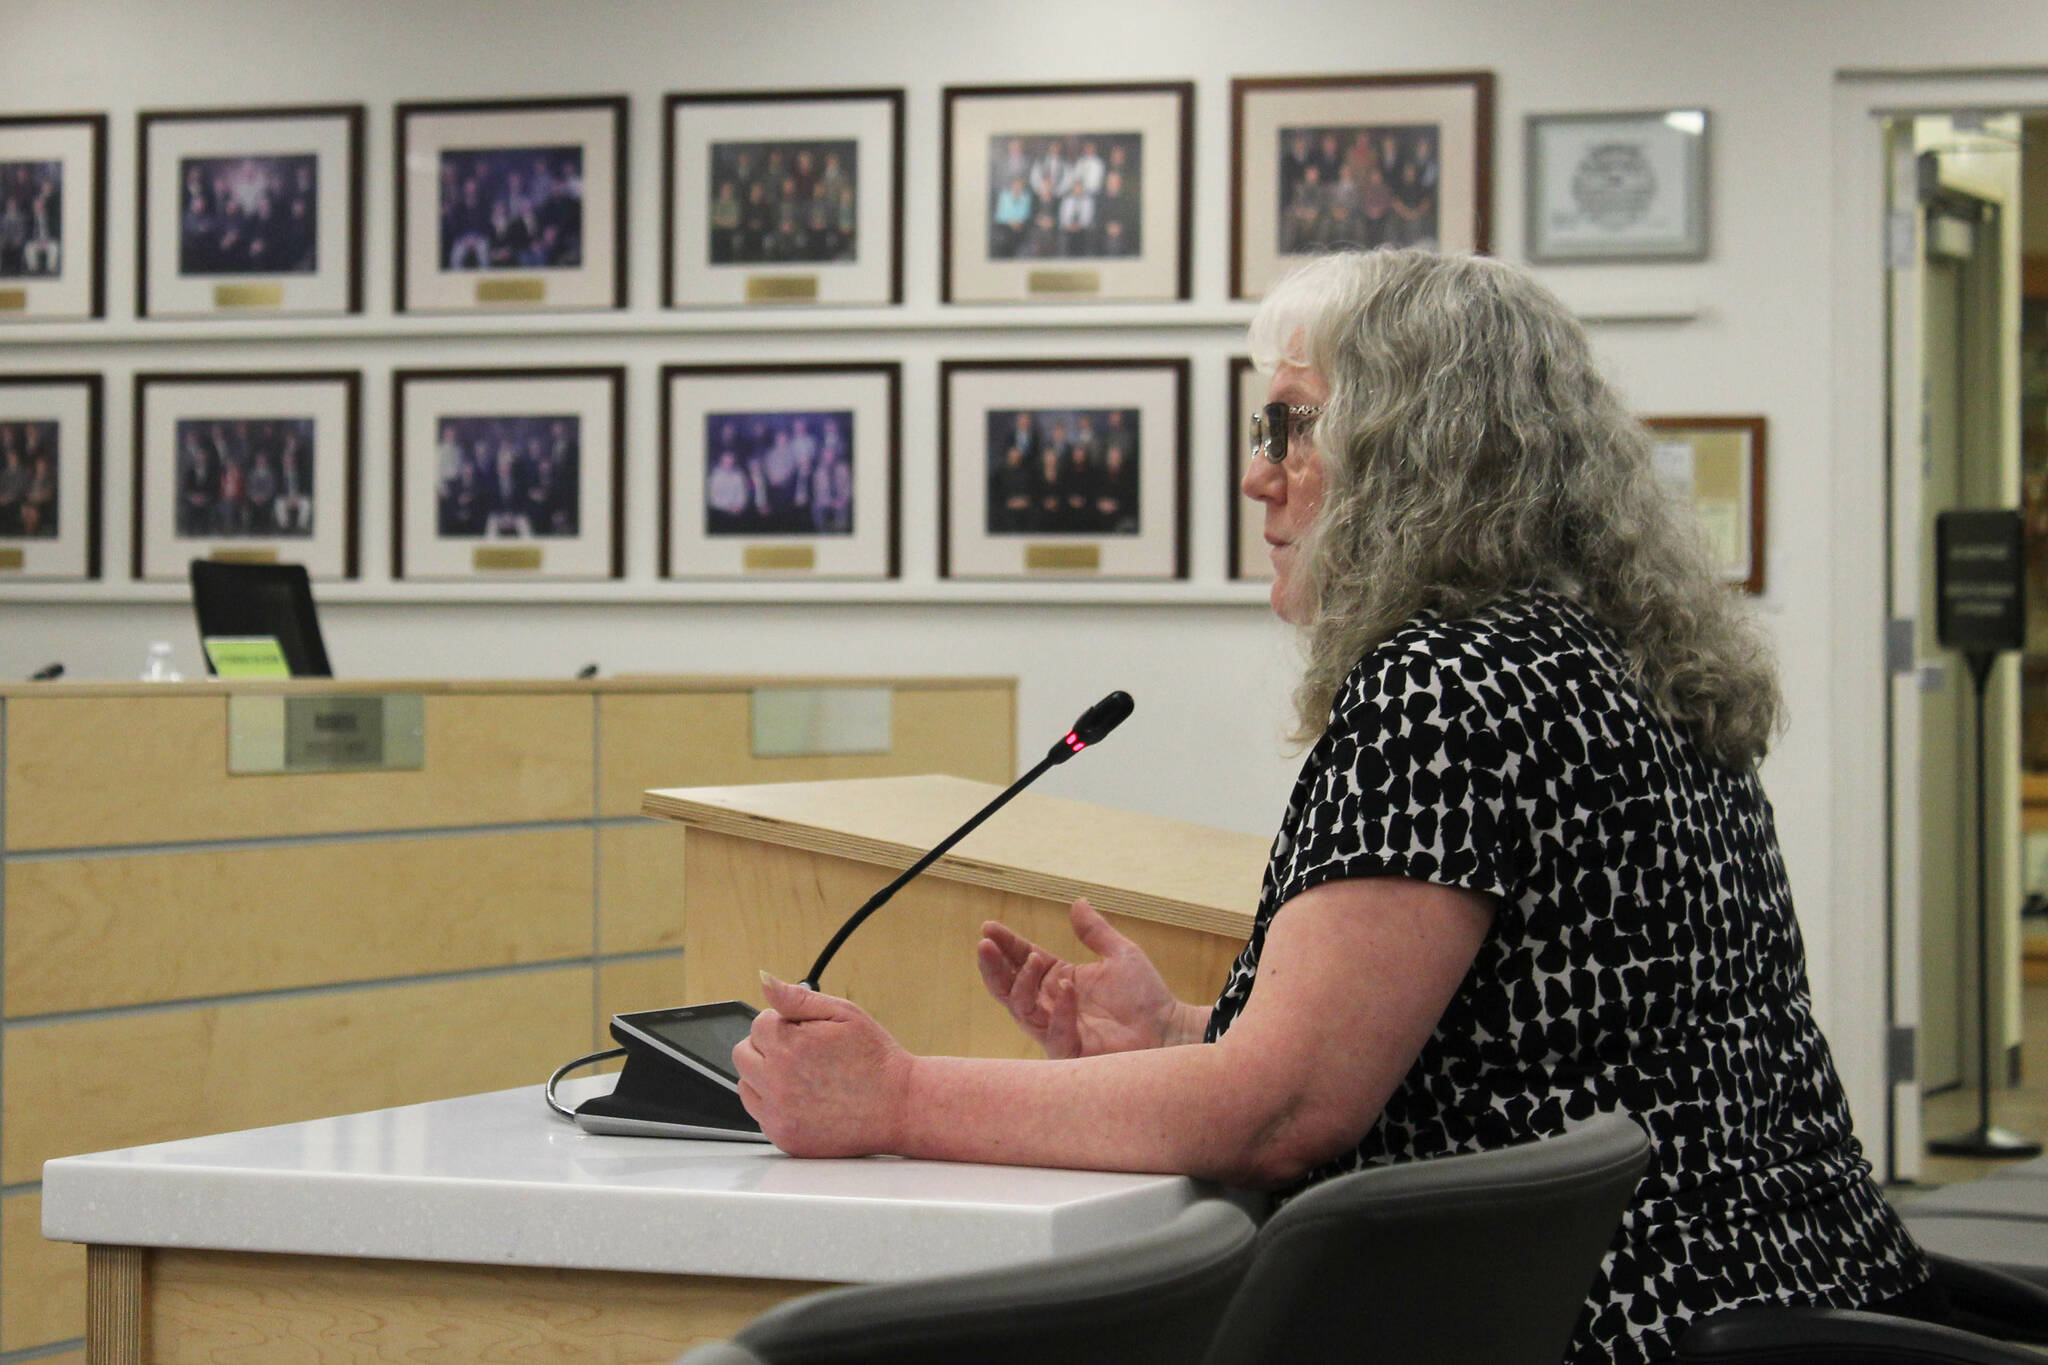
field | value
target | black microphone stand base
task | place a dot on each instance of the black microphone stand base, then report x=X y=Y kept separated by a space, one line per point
x=657 y=1096
x=1986 y=1140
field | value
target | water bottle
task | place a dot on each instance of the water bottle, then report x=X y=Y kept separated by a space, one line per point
x=158 y=667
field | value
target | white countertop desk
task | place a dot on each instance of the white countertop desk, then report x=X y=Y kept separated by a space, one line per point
x=486 y=1228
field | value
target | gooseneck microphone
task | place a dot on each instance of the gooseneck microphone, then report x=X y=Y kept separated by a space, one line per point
x=1096 y=722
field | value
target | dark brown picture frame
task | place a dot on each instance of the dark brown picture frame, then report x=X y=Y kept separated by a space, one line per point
x=95 y=435
x=1176 y=368
x=351 y=382
x=1751 y=518
x=1239 y=444
x=1249 y=276
x=774 y=286
x=890 y=373
x=17 y=301
x=352 y=118
x=1053 y=287
x=614 y=504
x=404 y=120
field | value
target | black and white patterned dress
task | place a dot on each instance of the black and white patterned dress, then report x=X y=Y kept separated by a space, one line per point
x=1643 y=958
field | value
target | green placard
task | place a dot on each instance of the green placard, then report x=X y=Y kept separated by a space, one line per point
x=246 y=656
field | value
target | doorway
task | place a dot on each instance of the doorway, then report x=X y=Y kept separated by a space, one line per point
x=1956 y=416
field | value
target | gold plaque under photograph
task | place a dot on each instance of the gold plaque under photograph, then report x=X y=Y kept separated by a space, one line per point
x=522 y=290
x=1086 y=558
x=506 y=557
x=13 y=300
x=248 y=296
x=249 y=555
x=12 y=557
x=781 y=557
x=782 y=288
x=1064 y=282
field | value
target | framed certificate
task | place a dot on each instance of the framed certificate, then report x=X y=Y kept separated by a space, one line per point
x=1716 y=464
x=1617 y=187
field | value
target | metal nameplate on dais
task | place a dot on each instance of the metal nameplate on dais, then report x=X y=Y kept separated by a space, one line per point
x=1064 y=282
x=526 y=557
x=801 y=722
x=758 y=557
x=1063 y=558
x=232 y=555
x=337 y=733
x=512 y=291
x=782 y=288
x=248 y=296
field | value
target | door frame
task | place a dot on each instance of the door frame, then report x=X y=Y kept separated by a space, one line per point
x=1874 y=974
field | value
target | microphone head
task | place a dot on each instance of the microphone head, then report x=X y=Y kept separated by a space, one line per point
x=1099 y=719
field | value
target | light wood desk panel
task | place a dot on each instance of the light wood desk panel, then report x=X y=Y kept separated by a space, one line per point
x=964 y=727
x=151 y=1076
x=87 y=772
x=103 y=931
x=42 y=1284
x=208 y=1307
x=639 y=887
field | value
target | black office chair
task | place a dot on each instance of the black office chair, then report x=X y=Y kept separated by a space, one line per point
x=1483 y=1259
x=1151 y=1300
x=1991 y=1309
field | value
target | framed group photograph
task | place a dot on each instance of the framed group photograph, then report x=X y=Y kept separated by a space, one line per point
x=255 y=467
x=1063 y=469
x=53 y=217
x=508 y=473
x=1067 y=192
x=1716 y=464
x=771 y=471
x=49 y=477
x=242 y=211
x=1248 y=558
x=1330 y=163
x=1617 y=187
x=512 y=205
x=784 y=197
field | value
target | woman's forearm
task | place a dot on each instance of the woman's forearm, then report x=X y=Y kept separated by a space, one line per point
x=1183 y=1110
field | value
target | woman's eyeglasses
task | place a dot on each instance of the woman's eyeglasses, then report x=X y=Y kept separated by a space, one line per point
x=1275 y=425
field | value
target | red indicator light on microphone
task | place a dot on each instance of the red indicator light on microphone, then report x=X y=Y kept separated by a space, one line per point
x=1074 y=742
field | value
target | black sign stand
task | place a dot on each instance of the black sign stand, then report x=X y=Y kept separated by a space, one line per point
x=1978 y=585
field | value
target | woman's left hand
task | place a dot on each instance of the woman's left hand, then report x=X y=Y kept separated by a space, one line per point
x=820 y=1076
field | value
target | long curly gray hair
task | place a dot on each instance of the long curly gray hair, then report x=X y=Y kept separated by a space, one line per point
x=1469 y=446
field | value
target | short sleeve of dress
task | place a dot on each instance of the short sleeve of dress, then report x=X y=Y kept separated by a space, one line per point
x=1409 y=780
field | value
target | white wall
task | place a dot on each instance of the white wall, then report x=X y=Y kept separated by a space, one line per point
x=1208 y=668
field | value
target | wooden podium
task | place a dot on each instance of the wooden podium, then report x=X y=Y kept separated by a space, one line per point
x=771 y=871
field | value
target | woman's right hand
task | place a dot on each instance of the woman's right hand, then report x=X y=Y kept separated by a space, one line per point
x=1117 y=1003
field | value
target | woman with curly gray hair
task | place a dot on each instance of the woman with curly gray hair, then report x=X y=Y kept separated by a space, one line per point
x=1527 y=873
